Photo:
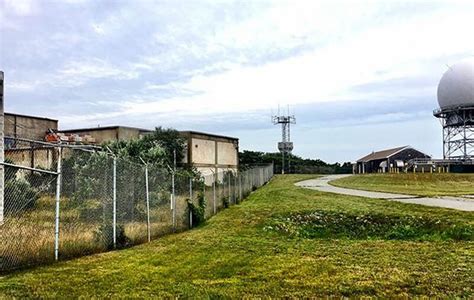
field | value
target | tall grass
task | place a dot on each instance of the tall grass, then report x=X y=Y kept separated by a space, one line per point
x=27 y=237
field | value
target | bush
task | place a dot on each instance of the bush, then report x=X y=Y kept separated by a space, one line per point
x=90 y=210
x=139 y=211
x=104 y=235
x=10 y=172
x=225 y=202
x=198 y=212
x=42 y=181
x=19 y=196
x=86 y=176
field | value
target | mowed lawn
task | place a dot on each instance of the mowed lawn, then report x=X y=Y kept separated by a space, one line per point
x=427 y=184
x=246 y=251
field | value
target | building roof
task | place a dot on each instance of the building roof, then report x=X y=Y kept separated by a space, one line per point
x=30 y=117
x=382 y=154
x=103 y=128
x=190 y=132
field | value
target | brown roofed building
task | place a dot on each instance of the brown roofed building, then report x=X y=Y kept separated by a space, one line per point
x=386 y=160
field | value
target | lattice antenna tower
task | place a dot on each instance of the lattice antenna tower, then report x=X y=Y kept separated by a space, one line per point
x=285 y=146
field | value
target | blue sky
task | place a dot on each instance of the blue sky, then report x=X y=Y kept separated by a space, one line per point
x=359 y=75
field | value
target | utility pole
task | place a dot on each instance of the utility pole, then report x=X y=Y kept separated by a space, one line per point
x=2 y=157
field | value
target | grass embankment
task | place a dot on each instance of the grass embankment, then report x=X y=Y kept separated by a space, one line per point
x=245 y=251
x=427 y=184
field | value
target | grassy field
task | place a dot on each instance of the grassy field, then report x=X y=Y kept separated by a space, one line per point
x=416 y=184
x=276 y=243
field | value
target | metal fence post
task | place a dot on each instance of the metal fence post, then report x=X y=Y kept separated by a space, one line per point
x=58 y=197
x=204 y=195
x=114 y=200
x=230 y=197
x=190 y=199
x=236 y=189
x=240 y=186
x=173 y=202
x=214 y=192
x=147 y=204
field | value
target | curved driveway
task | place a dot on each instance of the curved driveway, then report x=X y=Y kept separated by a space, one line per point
x=322 y=184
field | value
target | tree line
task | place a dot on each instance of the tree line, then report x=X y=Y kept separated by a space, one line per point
x=293 y=163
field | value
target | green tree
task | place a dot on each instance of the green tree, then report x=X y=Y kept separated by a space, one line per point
x=298 y=164
x=157 y=147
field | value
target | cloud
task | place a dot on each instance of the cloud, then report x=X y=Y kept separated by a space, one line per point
x=20 y=7
x=76 y=73
x=229 y=62
x=329 y=73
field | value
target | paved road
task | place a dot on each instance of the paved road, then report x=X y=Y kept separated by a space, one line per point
x=322 y=184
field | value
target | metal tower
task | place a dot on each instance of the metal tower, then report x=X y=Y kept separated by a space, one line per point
x=285 y=146
x=458 y=132
x=456 y=112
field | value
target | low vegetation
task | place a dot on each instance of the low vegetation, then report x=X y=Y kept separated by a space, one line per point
x=427 y=184
x=236 y=254
x=328 y=224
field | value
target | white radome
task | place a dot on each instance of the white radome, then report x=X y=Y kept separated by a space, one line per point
x=456 y=87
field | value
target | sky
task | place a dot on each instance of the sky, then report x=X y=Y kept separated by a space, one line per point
x=359 y=76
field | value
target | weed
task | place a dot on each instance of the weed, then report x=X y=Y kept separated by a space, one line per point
x=329 y=224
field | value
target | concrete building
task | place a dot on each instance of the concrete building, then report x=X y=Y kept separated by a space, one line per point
x=207 y=152
x=389 y=160
x=211 y=153
x=30 y=127
x=108 y=133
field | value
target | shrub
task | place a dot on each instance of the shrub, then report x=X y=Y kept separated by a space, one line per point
x=10 y=172
x=19 y=196
x=90 y=210
x=42 y=181
x=86 y=176
x=139 y=211
x=225 y=202
x=104 y=236
x=198 y=211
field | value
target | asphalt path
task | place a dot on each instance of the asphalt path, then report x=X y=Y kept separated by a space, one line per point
x=465 y=203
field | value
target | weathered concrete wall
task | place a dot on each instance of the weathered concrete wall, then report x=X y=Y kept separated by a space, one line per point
x=211 y=153
x=100 y=135
x=106 y=134
x=42 y=158
x=227 y=154
x=29 y=127
x=203 y=151
x=126 y=133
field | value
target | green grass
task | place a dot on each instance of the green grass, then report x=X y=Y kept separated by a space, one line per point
x=235 y=255
x=427 y=184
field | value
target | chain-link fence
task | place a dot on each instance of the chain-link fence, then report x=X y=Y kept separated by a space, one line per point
x=63 y=202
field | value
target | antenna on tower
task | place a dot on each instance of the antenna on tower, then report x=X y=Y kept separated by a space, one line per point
x=285 y=146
